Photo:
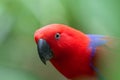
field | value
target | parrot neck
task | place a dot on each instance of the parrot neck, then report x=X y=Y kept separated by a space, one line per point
x=74 y=66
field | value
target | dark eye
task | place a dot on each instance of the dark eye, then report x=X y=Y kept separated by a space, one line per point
x=57 y=35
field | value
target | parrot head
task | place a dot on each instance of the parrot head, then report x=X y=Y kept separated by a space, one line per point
x=55 y=39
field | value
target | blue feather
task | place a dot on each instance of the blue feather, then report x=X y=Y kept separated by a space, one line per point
x=95 y=41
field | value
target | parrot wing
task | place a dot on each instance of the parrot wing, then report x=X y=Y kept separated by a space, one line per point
x=103 y=54
x=98 y=45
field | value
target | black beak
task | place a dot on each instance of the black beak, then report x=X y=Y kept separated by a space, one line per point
x=44 y=50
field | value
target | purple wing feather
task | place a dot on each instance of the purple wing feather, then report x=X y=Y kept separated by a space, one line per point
x=95 y=41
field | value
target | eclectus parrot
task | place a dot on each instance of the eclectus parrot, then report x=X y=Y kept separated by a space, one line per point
x=71 y=52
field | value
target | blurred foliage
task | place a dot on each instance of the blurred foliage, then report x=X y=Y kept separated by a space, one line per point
x=14 y=74
x=20 y=18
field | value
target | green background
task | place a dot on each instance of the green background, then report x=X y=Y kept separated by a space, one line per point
x=20 y=18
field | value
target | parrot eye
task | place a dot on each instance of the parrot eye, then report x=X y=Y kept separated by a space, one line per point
x=57 y=35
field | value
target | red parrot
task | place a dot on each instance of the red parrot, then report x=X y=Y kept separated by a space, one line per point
x=69 y=50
